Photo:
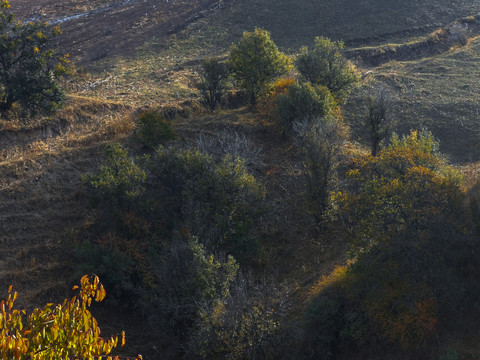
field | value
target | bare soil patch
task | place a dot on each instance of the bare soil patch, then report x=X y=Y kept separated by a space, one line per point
x=95 y=30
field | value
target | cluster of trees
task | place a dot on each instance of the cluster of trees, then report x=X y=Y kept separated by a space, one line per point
x=413 y=247
x=412 y=241
x=255 y=63
x=308 y=106
x=165 y=224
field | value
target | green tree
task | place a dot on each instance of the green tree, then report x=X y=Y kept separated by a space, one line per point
x=213 y=78
x=255 y=62
x=64 y=331
x=325 y=65
x=29 y=68
x=186 y=277
x=220 y=203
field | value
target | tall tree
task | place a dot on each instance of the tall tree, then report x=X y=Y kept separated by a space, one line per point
x=213 y=78
x=376 y=119
x=255 y=62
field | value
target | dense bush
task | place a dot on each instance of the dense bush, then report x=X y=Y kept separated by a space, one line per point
x=145 y=245
x=321 y=144
x=186 y=192
x=399 y=190
x=220 y=203
x=152 y=129
x=186 y=277
x=324 y=65
x=267 y=106
x=118 y=181
x=377 y=120
x=304 y=102
x=243 y=325
x=29 y=69
x=326 y=323
x=255 y=62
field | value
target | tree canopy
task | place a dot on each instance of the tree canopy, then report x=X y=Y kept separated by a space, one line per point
x=324 y=65
x=255 y=62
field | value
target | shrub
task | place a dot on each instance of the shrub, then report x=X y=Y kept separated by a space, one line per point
x=238 y=145
x=324 y=65
x=304 y=102
x=401 y=189
x=111 y=264
x=122 y=256
x=255 y=62
x=376 y=119
x=213 y=82
x=186 y=277
x=420 y=142
x=119 y=179
x=165 y=282
x=29 y=69
x=324 y=323
x=242 y=325
x=153 y=129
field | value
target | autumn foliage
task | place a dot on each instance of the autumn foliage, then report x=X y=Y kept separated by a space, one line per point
x=402 y=189
x=267 y=106
x=63 y=331
x=407 y=235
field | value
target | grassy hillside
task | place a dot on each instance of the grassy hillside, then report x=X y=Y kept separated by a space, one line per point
x=438 y=93
x=164 y=70
x=293 y=23
x=144 y=59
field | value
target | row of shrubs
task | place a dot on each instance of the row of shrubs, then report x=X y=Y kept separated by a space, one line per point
x=254 y=63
